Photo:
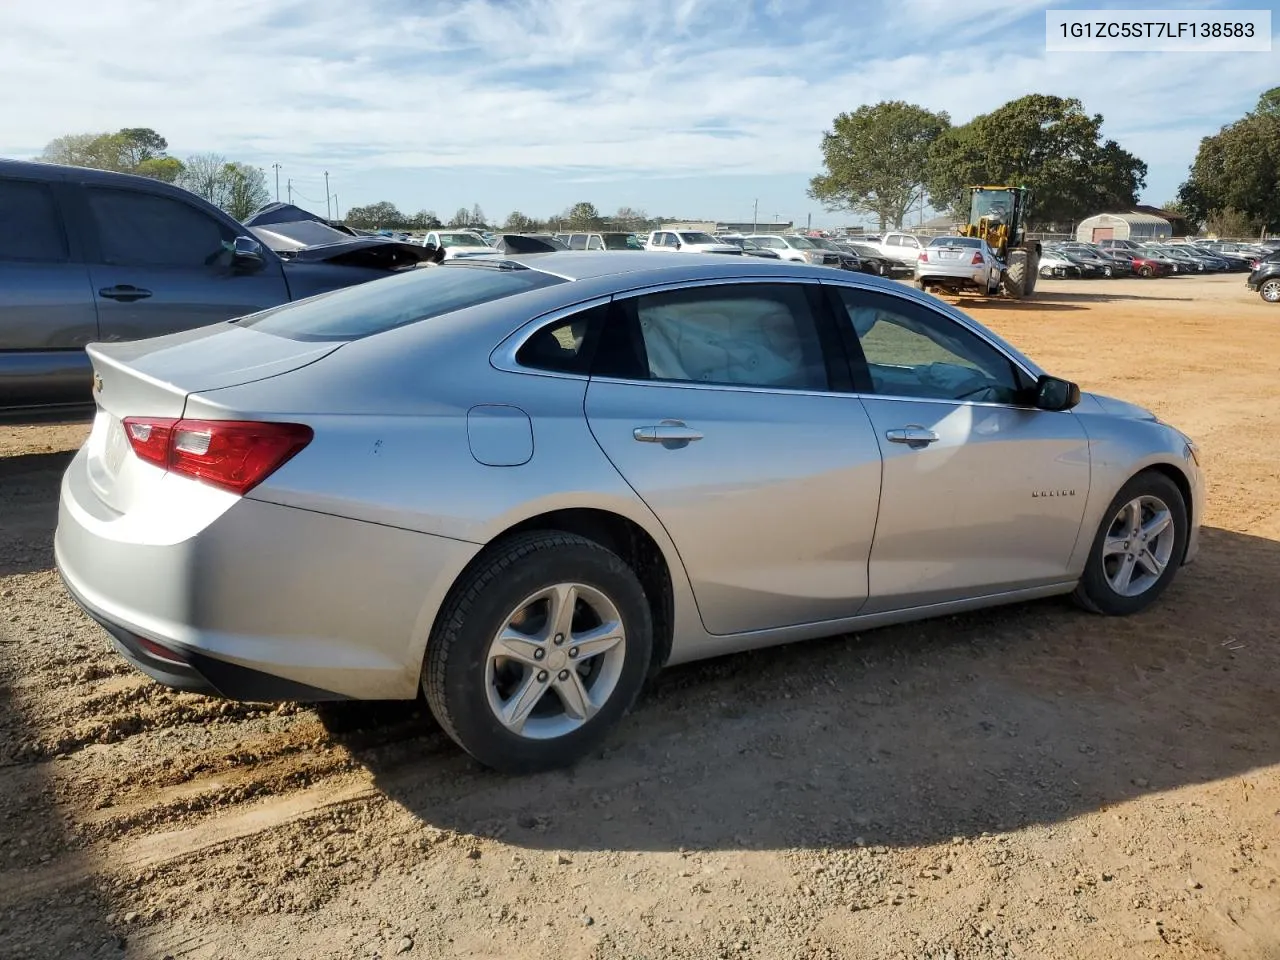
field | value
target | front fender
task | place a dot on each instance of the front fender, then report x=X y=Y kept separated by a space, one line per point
x=1122 y=447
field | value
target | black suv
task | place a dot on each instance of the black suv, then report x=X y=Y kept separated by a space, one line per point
x=88 y=255
x=1266 y=277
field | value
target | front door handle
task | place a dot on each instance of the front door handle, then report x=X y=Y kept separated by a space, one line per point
x=669 y=433
x=914 y=437
x=124 y=292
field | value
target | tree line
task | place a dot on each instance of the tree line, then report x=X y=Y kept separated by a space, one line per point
x=580 y=216
x=238 y=188
x=887 y=159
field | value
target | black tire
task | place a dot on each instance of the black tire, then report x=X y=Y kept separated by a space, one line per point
x=1094 y=592
x=1144 y=271
x=453 y=675
x=1022 y=271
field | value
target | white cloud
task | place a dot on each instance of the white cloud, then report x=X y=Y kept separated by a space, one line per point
x=596 y=89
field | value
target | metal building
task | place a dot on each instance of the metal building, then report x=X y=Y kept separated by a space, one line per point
x=1123 y=226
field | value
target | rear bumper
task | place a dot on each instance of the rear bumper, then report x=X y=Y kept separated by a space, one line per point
x=196 y=673
x=258 y=601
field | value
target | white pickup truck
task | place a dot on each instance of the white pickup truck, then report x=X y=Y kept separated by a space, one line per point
x=901 y=248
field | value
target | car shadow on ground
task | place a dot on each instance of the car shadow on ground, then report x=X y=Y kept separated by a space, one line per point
x=29 y=486
x=36 y=828
x=909 y=735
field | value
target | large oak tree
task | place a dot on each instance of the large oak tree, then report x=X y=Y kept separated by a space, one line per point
x=1048 y=144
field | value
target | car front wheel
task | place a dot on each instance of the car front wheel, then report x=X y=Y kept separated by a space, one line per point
x=540 y=648
x=1270 y=290
x=1137 y=549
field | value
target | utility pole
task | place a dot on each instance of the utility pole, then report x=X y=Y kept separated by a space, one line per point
x=276 y=168
x=755 y=216
x=328 y=214
x=336 y=214
x=808 y=223
x=289 y=184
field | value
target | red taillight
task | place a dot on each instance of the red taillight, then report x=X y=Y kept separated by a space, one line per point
x=977 y=258
x=149 y=438
x=235 y=455
x=923 y=257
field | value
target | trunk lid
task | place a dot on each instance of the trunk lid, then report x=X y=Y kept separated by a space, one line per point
x=153 y=378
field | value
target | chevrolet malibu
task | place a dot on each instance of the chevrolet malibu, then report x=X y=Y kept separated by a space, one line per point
x=523 y=484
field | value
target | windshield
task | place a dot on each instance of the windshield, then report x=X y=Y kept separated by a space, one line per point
x=862 y=251
x=801 y=243
x=460 y=240
x=622 y=241
x=996 y=204
x=369 y=308
x=696 y=237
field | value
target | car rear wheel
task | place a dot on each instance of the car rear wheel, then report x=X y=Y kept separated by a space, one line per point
x=1270 y=290
x=540 y=648
x=1138 y=547
x=1144 y=271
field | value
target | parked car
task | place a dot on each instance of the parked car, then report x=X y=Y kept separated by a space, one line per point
x=688 y=241
x=848 y=259
x=796 y=249
x=872 y=260
x=902 y=248
x=286 y=507
x=89 y=255
x=959 y=263
x=1056 y=266
x=1092 y=262
x=1090 y=267
x=457 y=243
x=749 y=247
x=1149 y=266
x=1265 y=278
x=1112 y=243
x=607 y=240
x=1233 y=260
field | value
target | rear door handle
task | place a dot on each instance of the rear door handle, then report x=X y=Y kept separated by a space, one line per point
x=124 y=292
x=672 y=433
x=914 y=437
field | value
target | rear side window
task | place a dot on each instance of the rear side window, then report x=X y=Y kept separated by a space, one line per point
x=142 y=229
x=366 y=309
x=563 y=346
x=30 y=228
x=746 y=335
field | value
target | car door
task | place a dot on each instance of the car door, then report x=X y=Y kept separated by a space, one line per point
x=981 y=493
x=47 y=311
x=727 y=408
x=163 y=264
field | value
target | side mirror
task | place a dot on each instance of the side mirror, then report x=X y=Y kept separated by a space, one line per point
x=1054 y=393
x=247 y=253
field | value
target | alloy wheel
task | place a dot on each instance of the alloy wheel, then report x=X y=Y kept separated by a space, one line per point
x=556 y=661
x=1271 y=291
x=1138 y=546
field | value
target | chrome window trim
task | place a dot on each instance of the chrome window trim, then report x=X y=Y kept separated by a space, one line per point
x=503 y=357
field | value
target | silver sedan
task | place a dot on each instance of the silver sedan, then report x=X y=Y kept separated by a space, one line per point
x=524 y=484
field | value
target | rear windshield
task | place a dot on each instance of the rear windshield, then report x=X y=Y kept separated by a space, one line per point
x=956 y=242
x=695 y=237
x=369 y=308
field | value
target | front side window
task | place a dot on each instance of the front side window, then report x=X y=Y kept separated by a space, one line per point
x=912 y=351
x=578 y=241
x=595 y=243
x=745 y=335
x=30 y=228
x=143 y=229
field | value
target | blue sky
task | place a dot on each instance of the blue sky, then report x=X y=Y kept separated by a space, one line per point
x=690 y=108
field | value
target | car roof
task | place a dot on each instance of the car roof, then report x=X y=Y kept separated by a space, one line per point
x=38 y=170
x=644 y=267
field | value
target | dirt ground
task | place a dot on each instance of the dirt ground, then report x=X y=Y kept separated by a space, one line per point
x=1032 y=782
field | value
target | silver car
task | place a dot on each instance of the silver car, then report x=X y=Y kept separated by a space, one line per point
x=525 y=484
x=955 y=264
